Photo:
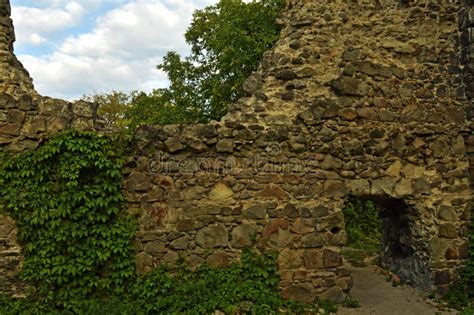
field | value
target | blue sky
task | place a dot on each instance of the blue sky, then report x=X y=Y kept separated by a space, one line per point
x=73 y=47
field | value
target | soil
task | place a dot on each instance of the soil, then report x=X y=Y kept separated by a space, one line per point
x=377 y=296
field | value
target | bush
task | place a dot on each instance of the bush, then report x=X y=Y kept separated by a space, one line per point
x=363 y=225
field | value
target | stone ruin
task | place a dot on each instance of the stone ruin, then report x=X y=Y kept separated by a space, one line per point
x=357 y=98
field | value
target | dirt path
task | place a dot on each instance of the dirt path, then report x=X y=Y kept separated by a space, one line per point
x=379 y=297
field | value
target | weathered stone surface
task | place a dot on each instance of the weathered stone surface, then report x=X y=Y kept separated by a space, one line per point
x=291 y=211
x=395 y=169
x=334 y=294
x=422 y=185
x=273 y=227
x=218 y=260
x=211 y=236
x=15 y=116
x=438 y=247
x=138 y=182
x=331 y=163
x=359 y=186
x=181 y=243
x=348 y=114
x=448 y=213
x=331 y=259
x=413 y=171
x=440 y=148
x=302 y=226
x=289 y=259
x=279 y=240
x=345 y=283
x=244 y=235
x=174 y=145
x=197 y=145
x=404 y=188
x=273 y=191
x=313 y=240
x=143 y=263
x=188 y=225
x=383 y=186
x=285 y=74
x=256 y=212
x=155 y=248
x=448 y=230
x=225 y=146
x=334 y=188
x=313 y=259
x=220 y=191
x=443 y=277
x=300 y=292
x=170 y=258
x=350 y=86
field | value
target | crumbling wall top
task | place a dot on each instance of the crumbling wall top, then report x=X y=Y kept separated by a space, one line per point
x=14 y=79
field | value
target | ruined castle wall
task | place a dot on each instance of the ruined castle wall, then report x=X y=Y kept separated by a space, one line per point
x=355 y=99
x=364 y=98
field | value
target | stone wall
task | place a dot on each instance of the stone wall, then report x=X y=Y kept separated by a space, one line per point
x=362 y=98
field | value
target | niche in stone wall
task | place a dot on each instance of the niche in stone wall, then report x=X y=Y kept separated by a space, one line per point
x=386 y=229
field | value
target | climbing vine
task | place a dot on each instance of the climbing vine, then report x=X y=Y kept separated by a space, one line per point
x=67 y=202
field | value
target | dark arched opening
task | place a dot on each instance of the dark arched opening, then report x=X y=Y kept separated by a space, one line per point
x=383 y=228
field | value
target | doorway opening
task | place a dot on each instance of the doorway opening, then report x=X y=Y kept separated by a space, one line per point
x=382 y=231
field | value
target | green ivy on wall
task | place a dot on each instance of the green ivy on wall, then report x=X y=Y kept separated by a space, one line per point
x=67 y=201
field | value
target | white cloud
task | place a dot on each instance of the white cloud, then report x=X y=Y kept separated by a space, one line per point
x=35 y=39
x=70 y=77
x=140 y=28
x=121 y=52
x=41 y=21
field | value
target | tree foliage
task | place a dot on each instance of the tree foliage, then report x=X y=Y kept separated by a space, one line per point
x=112 y=106
x=363 y=224
x=227 y=42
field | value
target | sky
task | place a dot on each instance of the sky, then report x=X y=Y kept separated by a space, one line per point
x=77 y=47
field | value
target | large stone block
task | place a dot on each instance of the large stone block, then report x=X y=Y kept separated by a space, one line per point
x=244 y=235
x=212 y=236
x=304 y=293
x=350 y=86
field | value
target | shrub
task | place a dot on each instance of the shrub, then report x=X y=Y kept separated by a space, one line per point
x=363 y=225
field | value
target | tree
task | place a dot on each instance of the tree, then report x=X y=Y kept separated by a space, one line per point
x=227 y=43
x=112 y=106
x=154 y=109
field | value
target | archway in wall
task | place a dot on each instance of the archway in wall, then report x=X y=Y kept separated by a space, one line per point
x=384 y=231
